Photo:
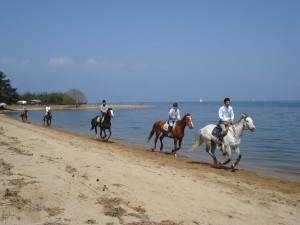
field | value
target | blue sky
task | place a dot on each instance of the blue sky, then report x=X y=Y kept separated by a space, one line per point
x=138 y=51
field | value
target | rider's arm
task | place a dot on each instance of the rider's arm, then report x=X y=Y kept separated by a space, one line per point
x=171 y=113
x=232 y=114
x=178 y=115
x=221 y=114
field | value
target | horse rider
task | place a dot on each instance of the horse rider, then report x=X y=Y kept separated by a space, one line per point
x=226 y=117
x=25 y=109
x=103 y=110
x=174 y=115
x=48 y=110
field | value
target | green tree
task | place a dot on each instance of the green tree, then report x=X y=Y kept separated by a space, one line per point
x=45 y=97
x=56 y=97
x=27 y=96
x=8 y=94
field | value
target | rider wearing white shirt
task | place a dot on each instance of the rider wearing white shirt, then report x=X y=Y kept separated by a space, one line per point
x=103 y=110
x=174 y=115
x=25 y=109
x=48 y=109
x=226 y=116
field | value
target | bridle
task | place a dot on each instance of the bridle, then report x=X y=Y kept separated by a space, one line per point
x=188 y=121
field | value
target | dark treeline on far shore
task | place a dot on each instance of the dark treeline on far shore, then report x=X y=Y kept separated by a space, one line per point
x=56 y=98
x=9 y=95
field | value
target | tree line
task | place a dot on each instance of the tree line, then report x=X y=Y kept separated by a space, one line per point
x=9 y=95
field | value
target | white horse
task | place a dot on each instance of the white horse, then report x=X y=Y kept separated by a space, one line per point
x=231 y=141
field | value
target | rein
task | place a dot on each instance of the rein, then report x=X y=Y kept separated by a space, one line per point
x=184 y=120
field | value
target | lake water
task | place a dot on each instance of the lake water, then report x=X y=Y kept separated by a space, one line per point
x=274 y=148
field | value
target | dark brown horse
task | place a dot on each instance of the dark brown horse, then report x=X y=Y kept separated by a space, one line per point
x=177 y=133
x=48 y=117
x=105 y=125
x=24 y=115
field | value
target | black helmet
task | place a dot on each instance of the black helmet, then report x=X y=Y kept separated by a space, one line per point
x=104 y=101
x=175 y=104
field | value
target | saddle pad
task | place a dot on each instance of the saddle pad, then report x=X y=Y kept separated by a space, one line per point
x=98 y=119
x=216 y=132
x=166 y=127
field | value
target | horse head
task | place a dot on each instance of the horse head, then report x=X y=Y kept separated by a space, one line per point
x=248 y=122
x=111 y=112
x=188 y=120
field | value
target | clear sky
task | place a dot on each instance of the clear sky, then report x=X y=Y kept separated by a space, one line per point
x=153 y=50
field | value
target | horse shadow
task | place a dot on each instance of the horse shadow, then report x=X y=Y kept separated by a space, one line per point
x=223 y=167
x=106 y=141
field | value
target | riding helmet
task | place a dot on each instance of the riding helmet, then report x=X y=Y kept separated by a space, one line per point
x=175 y=104
x=104 y=101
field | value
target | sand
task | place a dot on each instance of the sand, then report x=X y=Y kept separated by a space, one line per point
x=50 y=176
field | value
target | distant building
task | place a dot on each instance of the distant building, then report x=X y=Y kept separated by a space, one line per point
x=22 y=102
x=35 y=102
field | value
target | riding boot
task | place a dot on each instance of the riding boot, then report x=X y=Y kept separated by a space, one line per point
x=170 y=131
x=216 y=140
x=220 y=141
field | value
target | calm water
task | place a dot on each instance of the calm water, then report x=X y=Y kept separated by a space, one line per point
x=274 y=148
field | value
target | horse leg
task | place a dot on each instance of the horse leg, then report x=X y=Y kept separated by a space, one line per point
x=157 y=133
x=179 y=143
x=44 y=121
x=103 y=138
x=238 y=159
x=96 y=131
x=175 y=147
x=101 y=129
x=100 y=132
x=161 y=143
x=109 y=133
x=208 y=150
x=228 y=151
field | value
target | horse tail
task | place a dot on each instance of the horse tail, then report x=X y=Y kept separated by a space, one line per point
x=151 y=133
x=197 y=143
x=92 y=123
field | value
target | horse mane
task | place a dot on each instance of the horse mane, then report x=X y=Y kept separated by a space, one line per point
x=244 y=115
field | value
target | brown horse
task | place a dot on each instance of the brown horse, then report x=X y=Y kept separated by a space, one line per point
x=48 y=117
x=177 y=133
x=24 y=115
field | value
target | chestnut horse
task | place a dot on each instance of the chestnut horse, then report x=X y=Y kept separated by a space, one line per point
x=24 y=115
x=48 y=117
x=177 y=132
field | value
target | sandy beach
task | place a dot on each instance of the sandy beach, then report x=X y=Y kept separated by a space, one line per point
x=50 y=176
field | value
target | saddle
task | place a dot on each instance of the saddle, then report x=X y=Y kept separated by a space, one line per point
x=48 y=113
x=217 y=132
x=166 y=128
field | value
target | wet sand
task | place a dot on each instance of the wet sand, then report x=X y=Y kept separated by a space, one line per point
x=49 y=176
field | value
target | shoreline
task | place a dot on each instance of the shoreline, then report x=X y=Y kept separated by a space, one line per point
x=275 y=173
x=52 y=176
x=70 y=107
